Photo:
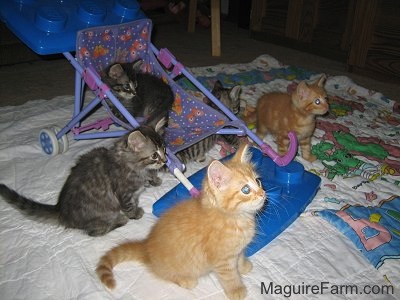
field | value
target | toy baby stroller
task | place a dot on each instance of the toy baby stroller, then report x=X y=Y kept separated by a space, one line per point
x=190 y=119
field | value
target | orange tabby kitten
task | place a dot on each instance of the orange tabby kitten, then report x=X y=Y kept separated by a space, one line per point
x=279 y=113
x=202 y=235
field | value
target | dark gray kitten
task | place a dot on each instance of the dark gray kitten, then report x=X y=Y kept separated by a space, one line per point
x=102 y=191
x=144 y=95
x=230 y=98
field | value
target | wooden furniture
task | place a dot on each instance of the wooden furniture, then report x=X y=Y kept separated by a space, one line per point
x=365 y=34
x=215 y=24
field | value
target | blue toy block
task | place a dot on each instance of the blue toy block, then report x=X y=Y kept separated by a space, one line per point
x=289 y=190
x=50 y=27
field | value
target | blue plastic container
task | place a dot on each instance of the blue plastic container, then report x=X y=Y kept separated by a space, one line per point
x=50 y=26
x=289 y=190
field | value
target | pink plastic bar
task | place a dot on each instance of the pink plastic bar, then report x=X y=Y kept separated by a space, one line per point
x=288 y=157
x=194 y=192
x=104 y=124
x=177 y=70
x=165 y=57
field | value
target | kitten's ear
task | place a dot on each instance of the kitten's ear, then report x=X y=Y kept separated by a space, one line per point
x=219 y=175
x=116 y=71
x=243 y=154
x=217 y=89
x=303 y=90
x=159 y=128
x=207 y=101
x=321 y=81
x=136 y=141
x=137 y=65
x=235 y=91
x=218 y=85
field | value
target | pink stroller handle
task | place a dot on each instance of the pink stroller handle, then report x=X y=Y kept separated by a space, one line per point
x=288 y=157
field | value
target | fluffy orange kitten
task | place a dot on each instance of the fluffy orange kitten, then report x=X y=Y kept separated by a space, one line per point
x=202 y=235
x=279 y=113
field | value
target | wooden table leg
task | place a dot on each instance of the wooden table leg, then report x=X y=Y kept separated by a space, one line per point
x=215 y=24
x=192 y=15
x=215 y=28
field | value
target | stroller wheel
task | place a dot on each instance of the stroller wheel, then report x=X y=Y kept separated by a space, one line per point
x=63 y=143
x=49 y=142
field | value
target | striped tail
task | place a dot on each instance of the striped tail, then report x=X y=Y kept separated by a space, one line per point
x=124 y=252
x=197 y=151
x=28 y=206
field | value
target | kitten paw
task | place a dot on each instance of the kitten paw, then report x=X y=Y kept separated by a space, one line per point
x=245 y=267
x=96 y=232
x=99 y=228
x=136 y=214
x=201 y=159
x=238 y=293
x=187 y=283
x=156 y=181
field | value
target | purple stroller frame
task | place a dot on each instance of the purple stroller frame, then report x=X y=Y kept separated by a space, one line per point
x=89 y=76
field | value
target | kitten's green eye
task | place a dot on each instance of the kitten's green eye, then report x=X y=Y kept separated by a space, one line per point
x=259 y=182
x=317 y=101
x=154 y=156
x=245 y=189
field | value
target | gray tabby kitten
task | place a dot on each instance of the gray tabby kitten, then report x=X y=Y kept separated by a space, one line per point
x=230 y=98
x=102 y=191
x=144 y=95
